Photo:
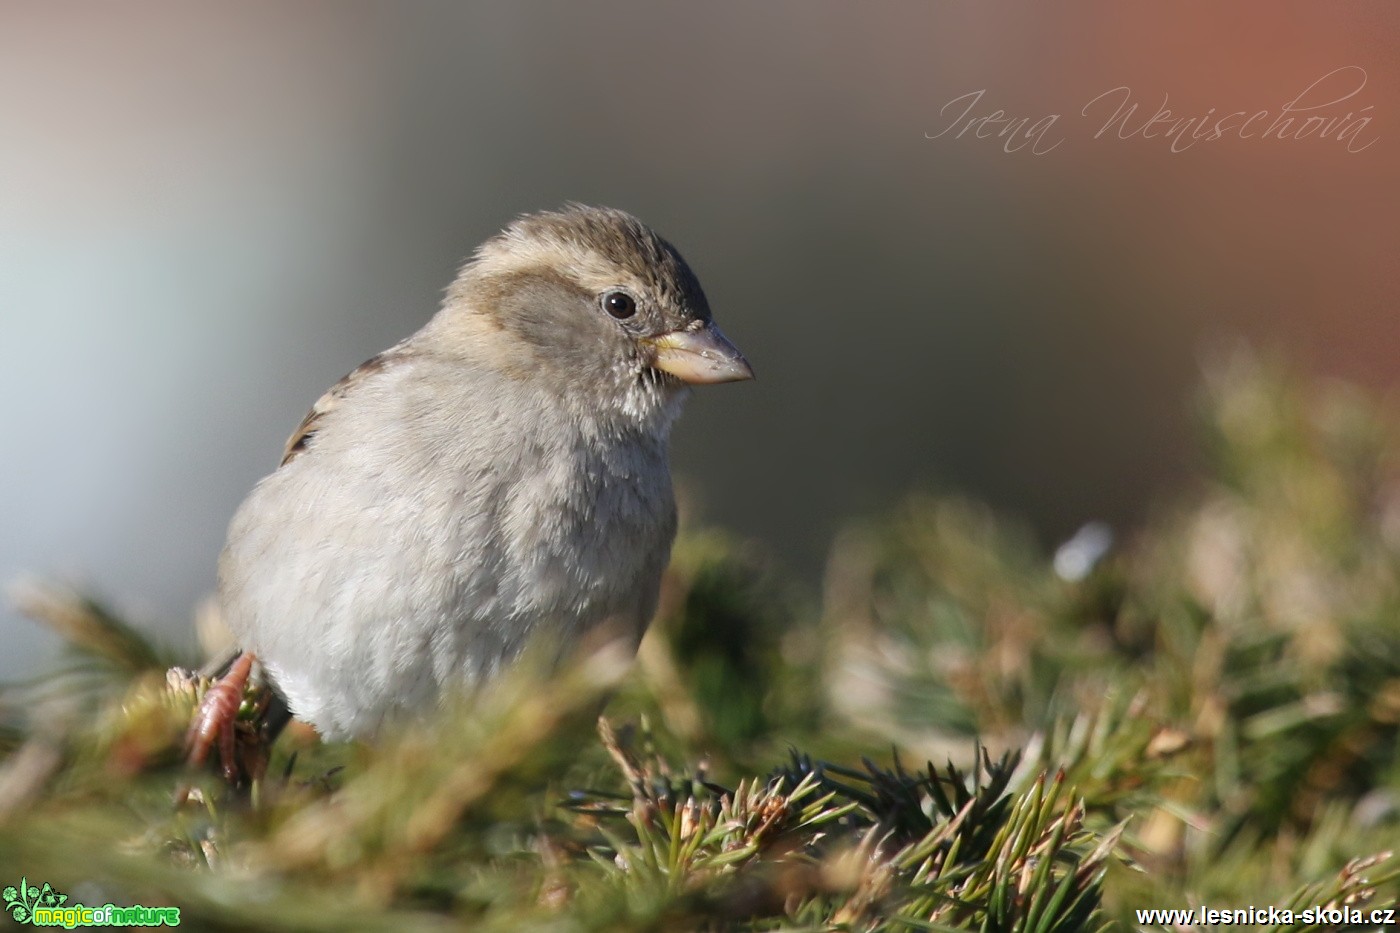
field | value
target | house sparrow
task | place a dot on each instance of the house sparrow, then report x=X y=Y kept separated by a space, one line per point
x=498 y=478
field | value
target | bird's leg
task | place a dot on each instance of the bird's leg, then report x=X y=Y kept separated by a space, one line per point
x=216 y=718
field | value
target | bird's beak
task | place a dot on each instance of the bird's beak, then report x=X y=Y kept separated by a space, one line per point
x=699 y=356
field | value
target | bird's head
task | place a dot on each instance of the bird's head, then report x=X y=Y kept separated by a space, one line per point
x=593 y=302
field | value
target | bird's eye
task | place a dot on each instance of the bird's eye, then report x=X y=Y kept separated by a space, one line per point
x=619 y=304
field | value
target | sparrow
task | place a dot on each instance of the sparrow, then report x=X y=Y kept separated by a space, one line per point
x=498 y=479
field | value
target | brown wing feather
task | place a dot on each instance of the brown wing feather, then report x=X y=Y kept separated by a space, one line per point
x=301 y=437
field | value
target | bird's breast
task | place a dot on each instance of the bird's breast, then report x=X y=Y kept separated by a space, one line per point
x=582 y=528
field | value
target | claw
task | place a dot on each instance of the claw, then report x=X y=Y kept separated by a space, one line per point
x=215 y=719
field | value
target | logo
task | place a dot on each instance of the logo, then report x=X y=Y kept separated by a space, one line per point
x=45 y=907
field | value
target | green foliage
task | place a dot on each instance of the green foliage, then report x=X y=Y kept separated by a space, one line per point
x=1209 y=715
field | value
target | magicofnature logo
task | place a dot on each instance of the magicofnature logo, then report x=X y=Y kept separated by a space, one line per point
x=46 y=907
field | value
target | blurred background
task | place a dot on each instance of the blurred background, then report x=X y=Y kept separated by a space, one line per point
x=210 y=213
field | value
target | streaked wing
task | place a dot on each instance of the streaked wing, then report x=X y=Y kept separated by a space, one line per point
x=302 y=436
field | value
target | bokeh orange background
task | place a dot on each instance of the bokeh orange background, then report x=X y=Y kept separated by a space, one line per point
x=212 y=212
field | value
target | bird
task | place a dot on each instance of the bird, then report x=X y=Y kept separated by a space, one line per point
x=498 y=479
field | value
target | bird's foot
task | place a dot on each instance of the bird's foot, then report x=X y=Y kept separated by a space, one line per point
x=216 y=719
